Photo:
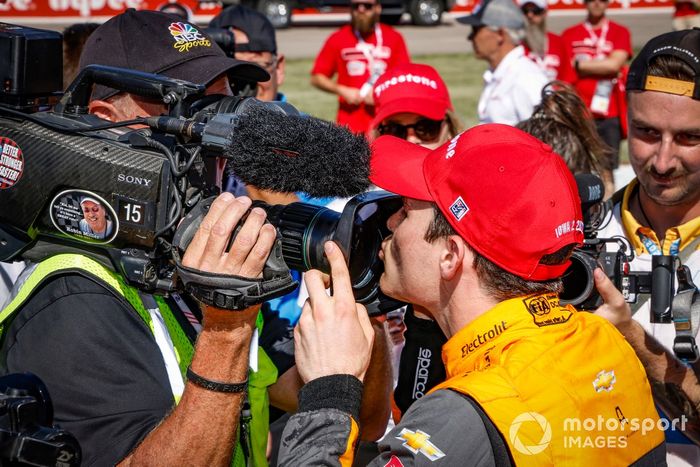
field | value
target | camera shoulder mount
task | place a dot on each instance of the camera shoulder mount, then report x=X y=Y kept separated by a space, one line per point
x=229 y=291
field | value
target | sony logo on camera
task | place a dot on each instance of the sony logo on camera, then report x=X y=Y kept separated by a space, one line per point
x=134 y=180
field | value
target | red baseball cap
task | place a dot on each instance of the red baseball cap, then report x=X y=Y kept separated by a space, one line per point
x=413 y=88
x=506 y=193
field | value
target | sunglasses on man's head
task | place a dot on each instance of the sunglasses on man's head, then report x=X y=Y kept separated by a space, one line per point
x=532 y=9
x=364 y=5
x=425 y=129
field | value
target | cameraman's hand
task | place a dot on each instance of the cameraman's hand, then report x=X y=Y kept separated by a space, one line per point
x=334 y=334
x=614 y=308
x=249 y=252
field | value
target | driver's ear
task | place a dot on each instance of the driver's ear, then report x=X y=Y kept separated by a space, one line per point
x=452 y=256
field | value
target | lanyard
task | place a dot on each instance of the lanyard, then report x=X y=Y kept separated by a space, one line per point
x=648 y=243
x=366 y=48
x=599 y=41
x=654 y=249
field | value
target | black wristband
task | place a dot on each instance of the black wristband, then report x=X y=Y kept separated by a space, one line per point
x=341 y=392
x=216 y=386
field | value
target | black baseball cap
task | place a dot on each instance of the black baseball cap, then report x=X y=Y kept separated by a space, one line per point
x=498 y=13
x=684 y=45
x=259 y=29
x=155 y=42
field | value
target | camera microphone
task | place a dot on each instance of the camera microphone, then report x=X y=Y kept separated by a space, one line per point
x=590 y=189
x=271 y=149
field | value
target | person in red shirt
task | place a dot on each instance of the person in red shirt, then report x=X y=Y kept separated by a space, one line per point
x=358 y=53
x=686 y=14
x=600 y=48
x=544 y=48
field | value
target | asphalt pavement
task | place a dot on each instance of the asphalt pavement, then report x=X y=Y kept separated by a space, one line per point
x=308 y=33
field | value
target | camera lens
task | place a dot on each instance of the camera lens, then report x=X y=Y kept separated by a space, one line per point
x=305 y=228
x=578 y=281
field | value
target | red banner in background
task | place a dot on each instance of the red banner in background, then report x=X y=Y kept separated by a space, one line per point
x=467 y=5
x=65 y=11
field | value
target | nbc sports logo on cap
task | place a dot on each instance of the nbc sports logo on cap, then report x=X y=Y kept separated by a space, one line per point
x=187 y=36
x=459 y=208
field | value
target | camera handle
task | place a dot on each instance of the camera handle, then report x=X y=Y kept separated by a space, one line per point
x=225 y=291
x=168 y=90
x=686 y=316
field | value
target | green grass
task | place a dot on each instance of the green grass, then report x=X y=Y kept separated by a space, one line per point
x=461 y=72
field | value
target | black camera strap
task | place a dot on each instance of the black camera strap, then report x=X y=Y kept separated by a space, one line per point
x=229 y=292
x=686 y=316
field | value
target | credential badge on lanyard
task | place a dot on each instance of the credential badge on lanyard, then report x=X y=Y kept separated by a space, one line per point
x=376 y=68
x=600 y=103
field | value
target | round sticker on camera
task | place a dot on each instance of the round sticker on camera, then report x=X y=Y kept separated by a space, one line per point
x=84 y=216
x=11 y=163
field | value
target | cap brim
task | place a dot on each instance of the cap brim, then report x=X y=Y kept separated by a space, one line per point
x=397 y=166
x=204 y=70
x=471 y=20
x=427 y=108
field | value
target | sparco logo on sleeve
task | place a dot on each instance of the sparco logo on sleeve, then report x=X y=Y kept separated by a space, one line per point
x=422 y=372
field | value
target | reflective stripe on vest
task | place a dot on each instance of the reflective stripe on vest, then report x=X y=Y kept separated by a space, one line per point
x=562 y=387
x=60 y=264
x=181 y=347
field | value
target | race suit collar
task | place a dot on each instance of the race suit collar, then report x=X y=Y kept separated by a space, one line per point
x=508 y=321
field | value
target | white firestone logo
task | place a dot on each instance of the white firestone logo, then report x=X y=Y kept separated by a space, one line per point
x=451 y=147
x=407 y=78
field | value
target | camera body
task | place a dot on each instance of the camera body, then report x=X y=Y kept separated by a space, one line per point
x=27 y=433
x=31 y=67
x=613 y=255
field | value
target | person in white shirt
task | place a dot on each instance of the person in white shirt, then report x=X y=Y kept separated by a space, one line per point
x=513 y=83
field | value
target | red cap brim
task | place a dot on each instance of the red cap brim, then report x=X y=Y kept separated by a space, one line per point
x=428 y=108
x=397 y=166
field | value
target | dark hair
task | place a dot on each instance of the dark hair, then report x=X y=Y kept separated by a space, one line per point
x=564 y=122
x=499 y=283
x=74 y=38
x=670 y=66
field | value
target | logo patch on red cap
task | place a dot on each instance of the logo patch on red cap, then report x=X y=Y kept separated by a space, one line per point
x=459 y=208
x=187 y=36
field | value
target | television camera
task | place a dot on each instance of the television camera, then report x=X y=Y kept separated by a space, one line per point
x=131 y=194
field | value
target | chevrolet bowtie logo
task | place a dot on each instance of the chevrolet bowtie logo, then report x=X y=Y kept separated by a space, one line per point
x=418 y=441
x=604 y=381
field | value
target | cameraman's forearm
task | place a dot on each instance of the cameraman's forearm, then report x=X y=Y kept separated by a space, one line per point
x=201 y=430
x=676 y=386
x=378 y=382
